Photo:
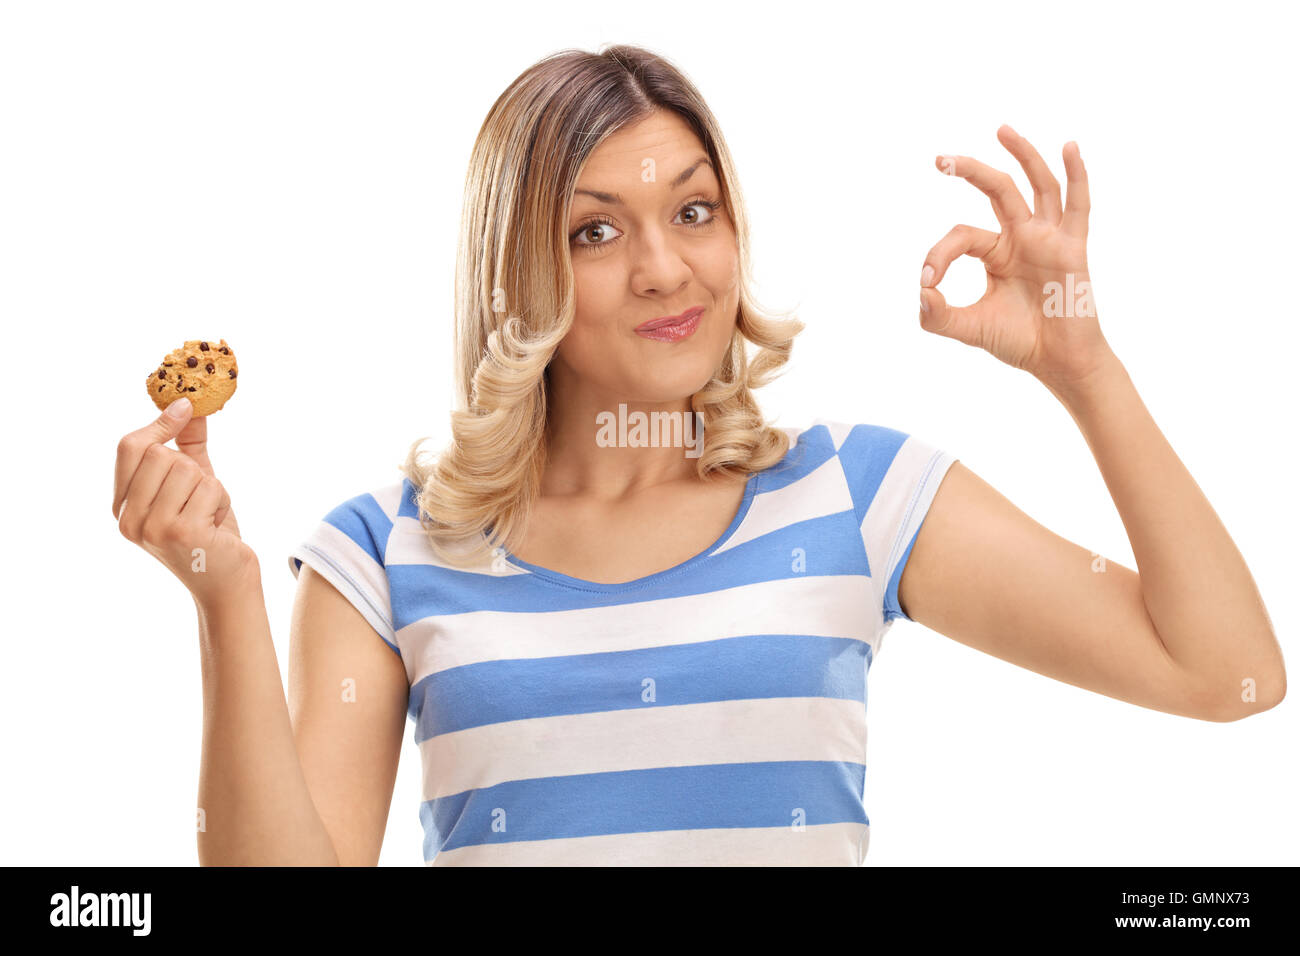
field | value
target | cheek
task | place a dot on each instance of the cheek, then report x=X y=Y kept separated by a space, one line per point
x=590 y=309
x=723 y=282
x=595 y=285
x=590 y=340
x=720 y=268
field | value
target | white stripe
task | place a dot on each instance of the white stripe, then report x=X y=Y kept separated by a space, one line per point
x=389 y=499
x=883 y=522
x=843 y=603
x=409 y=544
x=928 y=484
x=685 y=735
x=821 y=492
x=827 y=844
x=839 y=431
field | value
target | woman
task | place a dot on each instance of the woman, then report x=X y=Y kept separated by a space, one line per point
x=621 y=649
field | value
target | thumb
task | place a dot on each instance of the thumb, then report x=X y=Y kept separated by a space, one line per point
x=940 y=318
x=173 y=419
x=191 y=433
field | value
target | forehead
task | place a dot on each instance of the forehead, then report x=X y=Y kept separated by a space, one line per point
x=663 y=137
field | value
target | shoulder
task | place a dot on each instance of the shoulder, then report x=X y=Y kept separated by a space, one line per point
x=861 y=447
x=367 y=518
x=873 y=457
x=865 y=447
x=837 y=433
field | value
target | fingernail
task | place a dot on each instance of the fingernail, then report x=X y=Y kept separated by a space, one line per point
x=924 y=307
x=927 y=275
x=178 y=408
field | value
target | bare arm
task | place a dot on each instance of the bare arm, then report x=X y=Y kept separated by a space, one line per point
x=257 y=764
x=1186 y=634
x=255 y=806
x=348 y=695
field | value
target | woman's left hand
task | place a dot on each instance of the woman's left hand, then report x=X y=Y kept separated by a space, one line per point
x=1038 y=312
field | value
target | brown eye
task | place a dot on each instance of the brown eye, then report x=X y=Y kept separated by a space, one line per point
x=601 y=226
x=710 y=205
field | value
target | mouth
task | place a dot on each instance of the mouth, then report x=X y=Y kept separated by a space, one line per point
x=671 y=328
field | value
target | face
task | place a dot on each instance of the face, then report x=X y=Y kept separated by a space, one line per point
x=656 y=242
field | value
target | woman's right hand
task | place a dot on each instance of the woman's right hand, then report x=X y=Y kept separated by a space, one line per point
x=171 y=504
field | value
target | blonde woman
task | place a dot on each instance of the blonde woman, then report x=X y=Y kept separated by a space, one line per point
x=630 y=621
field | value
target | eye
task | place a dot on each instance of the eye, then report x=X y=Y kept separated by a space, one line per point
x=708 y=204
x=599 y=224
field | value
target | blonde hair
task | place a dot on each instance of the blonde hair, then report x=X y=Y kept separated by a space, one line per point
x=513 y=306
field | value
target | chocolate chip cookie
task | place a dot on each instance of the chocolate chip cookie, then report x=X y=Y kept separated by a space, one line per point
x=203 y=372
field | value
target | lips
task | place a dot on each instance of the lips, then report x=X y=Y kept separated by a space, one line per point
x=668 y=320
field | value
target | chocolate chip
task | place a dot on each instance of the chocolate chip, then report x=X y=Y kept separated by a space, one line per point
x=168 y=364
x=179 y=378
x=232 y=373
x=162 y=374
x=161 y=387
x=224 y=350
x=203 y=346
x=190 y=389
x=209 y=368
x=191 y=361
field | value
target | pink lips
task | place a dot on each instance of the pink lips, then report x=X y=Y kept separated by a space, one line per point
x=672 y=328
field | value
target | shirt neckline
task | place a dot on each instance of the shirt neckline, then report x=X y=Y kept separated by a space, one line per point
x=556 y=577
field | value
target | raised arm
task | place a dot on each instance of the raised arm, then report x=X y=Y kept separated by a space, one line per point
x=1187 y=633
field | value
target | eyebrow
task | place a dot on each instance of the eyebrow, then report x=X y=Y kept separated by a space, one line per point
x=614 y=199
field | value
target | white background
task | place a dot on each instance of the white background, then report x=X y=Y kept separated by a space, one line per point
x=288 y=176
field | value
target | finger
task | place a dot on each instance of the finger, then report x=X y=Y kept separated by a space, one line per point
x=942 y=319
x=193 y=441
x=223 y=512
x=960 y=241
x=176 y=489
x=1077 y=201
x=132 y=447
x=143 y=488
x=207 y=501
x=1047 y=189
x=1008 y=205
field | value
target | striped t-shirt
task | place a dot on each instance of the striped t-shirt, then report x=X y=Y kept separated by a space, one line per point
x=712 y=713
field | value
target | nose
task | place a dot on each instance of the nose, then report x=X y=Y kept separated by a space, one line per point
x=658 y=266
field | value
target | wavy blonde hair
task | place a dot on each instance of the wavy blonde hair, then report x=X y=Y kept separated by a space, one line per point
x=514 y=306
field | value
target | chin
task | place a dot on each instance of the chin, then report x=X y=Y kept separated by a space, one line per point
x=674 y=385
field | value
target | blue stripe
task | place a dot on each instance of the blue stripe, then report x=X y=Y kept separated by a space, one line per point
x=866 y=455
x=707 y=796
x=407 y=508
x=812 y=450
x=363 y=520
x=733 y=668
x=826 y=545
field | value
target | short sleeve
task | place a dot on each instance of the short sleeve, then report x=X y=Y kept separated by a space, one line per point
x=347 y=548
x=893 y=478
